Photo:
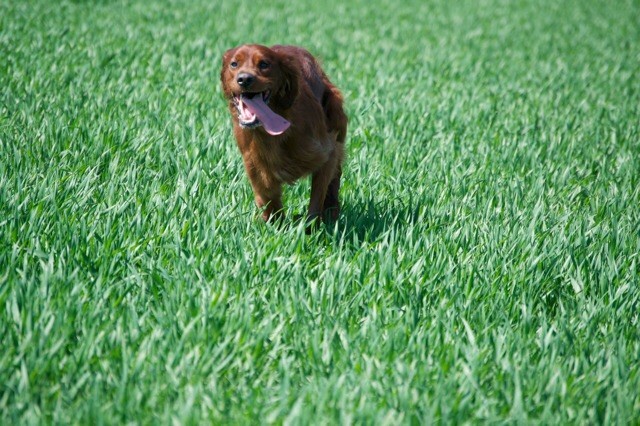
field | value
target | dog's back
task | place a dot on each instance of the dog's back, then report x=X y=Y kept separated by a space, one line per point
x=323 y=90
x=309 y=67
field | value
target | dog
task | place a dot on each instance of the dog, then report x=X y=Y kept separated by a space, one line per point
x=289 y=122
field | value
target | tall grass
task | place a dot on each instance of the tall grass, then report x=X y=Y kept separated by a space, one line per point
x=485 y=267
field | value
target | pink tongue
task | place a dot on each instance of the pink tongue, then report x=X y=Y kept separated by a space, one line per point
x=272 y=122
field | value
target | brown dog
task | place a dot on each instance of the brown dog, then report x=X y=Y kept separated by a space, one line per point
x=288 y=122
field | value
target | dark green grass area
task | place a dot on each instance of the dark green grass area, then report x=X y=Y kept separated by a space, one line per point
x=486 y=266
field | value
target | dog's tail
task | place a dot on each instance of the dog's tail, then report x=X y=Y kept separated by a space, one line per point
x=335 y=117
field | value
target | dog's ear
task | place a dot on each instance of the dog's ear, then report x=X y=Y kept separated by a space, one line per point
x=289 y=76
x=226 y=58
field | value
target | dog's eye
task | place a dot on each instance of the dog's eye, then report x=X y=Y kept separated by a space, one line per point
x=263 y=65
x=234 y=64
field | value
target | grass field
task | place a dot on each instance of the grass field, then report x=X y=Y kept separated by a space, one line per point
x=485 y=268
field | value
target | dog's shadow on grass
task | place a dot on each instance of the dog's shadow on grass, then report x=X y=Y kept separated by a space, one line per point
x=368 y=220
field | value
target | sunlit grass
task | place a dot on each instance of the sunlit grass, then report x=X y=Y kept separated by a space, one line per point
x=485 y=267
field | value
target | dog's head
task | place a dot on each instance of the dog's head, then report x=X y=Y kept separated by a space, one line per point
x=258 y=81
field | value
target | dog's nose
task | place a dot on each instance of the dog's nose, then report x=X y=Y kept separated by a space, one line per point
x=245 y=79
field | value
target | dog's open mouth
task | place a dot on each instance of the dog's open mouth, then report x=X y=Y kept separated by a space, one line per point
x=247 y=116
x=253 y=111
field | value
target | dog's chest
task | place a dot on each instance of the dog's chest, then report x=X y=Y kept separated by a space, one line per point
x=275 y=162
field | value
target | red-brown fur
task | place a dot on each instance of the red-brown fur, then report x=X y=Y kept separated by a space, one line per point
x=314 y=144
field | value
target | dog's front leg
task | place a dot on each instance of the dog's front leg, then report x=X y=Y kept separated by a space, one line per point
x=319 y=185
x=267 y=194
x=271 y=203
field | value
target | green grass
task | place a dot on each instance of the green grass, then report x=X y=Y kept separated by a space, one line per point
x=485 y=268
